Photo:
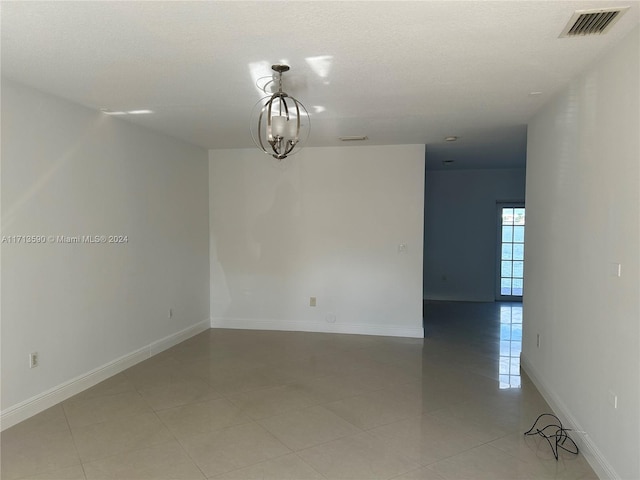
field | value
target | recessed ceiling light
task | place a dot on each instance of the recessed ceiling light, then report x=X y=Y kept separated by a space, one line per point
x=354 y=138
x=106 y=111
x=534 y=94
x=111 y=112
x=451 y=138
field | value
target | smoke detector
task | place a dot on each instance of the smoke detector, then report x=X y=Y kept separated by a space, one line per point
x=592 y=22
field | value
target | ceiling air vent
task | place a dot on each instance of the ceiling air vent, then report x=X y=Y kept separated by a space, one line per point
x=592 y=22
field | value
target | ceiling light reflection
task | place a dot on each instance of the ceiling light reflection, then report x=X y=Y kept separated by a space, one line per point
x=321 y=65
x=260 y=75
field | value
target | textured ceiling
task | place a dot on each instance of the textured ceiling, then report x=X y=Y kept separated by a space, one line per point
x=398 y=72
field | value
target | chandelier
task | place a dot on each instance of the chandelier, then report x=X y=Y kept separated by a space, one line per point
x=279 y=123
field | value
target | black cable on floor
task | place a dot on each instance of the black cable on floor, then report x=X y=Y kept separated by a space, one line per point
x=555 y=435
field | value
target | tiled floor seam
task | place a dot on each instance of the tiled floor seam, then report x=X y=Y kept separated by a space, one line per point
x=307 y=464
x=83 y=463
x=73 y=439
x=297 y=450
x=177 y=440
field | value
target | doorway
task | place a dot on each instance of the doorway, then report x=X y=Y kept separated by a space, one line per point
x=510 y=257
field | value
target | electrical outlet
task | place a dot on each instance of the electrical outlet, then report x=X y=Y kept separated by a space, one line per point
x=312 y=301
x=33 y=360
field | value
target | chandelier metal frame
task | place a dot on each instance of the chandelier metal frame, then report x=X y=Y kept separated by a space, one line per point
x=279 y=132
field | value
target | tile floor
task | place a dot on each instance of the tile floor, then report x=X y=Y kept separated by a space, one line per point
x=236 y=404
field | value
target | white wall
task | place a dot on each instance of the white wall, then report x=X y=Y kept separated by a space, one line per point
x=325 y=223
x=67 y=170
x=583 y=216
x=461 y=230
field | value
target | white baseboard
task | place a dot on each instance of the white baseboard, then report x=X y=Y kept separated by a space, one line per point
x=318 y=327
x=591 y=452
x=178 y=337
x=36 y=404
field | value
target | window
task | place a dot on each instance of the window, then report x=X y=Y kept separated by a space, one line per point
x=511 y=252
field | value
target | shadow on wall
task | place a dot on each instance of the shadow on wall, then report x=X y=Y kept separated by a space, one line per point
x=276 y=233
x=262 y=251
